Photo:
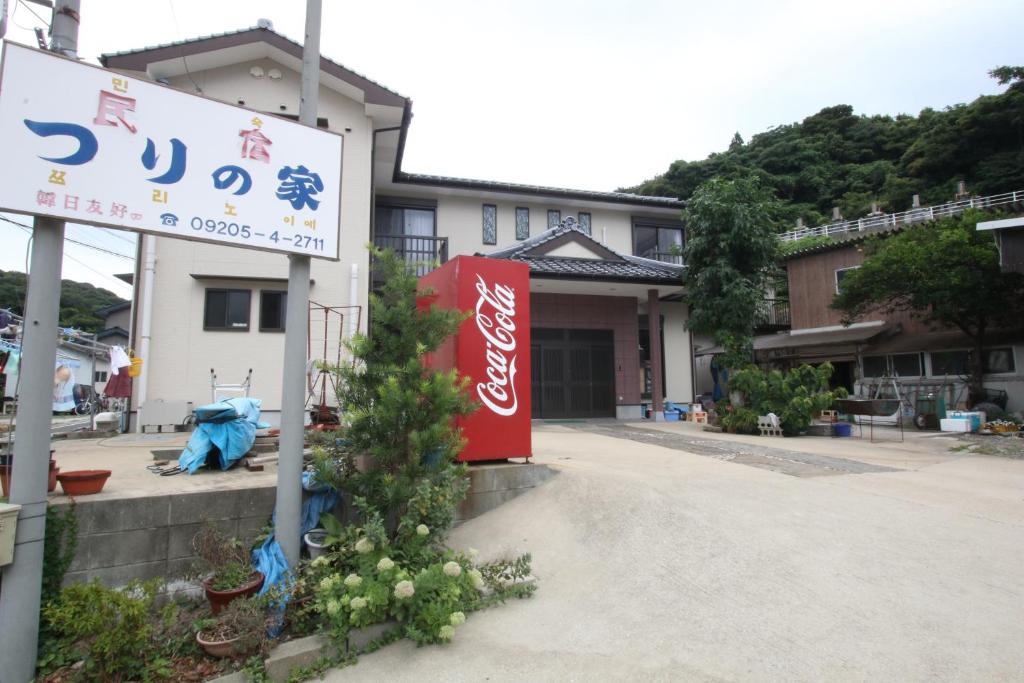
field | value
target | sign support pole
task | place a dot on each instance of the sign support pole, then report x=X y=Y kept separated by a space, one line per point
x=293 y=385
x=22 y=580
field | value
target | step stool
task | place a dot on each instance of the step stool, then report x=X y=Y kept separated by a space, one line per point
x=700 y=417
x=830 y=415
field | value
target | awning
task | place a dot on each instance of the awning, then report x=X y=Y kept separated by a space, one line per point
x=829 y=336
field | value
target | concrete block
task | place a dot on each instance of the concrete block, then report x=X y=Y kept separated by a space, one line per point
x=181 y=567
x=105 y=516
x=477 y=504
x=500 y=477
x=297 y=653
x=358 y=638
x=251 y=527
x=126 y=547
x=179 y=542
x=120 y=575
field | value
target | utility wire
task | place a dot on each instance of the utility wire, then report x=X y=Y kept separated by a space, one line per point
x=25 y=4
x=73 y=241
x=69 y=256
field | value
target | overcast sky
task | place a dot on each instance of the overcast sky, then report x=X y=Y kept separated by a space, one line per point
x=591 y=95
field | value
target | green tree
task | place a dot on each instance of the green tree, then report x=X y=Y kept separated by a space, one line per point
x=730 y=252
x=79 y=301
x=945 y=273
x=398 y=416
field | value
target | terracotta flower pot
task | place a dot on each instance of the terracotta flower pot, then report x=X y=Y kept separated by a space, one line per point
x=5 y=476
x=83 y=482
x=220 y=599
x=219 y=648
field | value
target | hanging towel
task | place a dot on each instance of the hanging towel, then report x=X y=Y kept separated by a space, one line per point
x=118 y=359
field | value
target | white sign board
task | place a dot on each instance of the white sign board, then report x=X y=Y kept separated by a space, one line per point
x=89 y=145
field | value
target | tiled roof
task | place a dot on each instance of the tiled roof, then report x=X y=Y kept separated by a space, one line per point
x=619 y=266
x=598 y=269
x=518 y=188
x=104 y=58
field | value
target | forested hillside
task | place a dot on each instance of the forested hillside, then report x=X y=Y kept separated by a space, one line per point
x=78 y=300
x=839 y=158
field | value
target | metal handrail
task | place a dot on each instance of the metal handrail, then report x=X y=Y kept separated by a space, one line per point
x=894 y=220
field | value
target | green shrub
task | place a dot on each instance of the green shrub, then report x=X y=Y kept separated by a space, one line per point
x=796 y=396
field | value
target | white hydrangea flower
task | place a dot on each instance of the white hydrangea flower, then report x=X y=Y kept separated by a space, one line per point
x=357 y=603
x=478 y=579
x=364 y=545
x=320 y=561
x=422 y=530
x=353 y=580
x=457 y=618
x=473 y=553
x=333 y=607
x=446 y=632
x=385 y=564
x=404 y=589
x=326 y=583
x=452 y=569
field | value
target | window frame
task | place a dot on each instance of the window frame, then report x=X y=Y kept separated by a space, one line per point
x=284 y=309
x=557 y=213
x=590 y=219
x=403 y=203
x=483 y=223
x=843 y=270
x=640 y=222
x=522 y=211
x=228 y=291
x=985 y=365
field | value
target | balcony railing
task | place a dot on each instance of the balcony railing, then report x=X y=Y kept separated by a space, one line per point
x=773 y=315
x=885 y=221
x=422 y=251
x=675 y=257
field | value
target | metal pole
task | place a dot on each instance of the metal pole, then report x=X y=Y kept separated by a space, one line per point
x=22 y=580
x=293 y=384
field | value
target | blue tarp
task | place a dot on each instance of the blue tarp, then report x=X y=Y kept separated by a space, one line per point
x=227 y=429
x=270 y=559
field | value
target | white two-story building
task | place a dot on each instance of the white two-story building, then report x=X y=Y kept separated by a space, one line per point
x=607 y=326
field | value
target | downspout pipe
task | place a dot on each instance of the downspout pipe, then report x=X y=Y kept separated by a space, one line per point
x=146 y=331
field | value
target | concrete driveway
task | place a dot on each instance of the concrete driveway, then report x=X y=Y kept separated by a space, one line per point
x=659 y=563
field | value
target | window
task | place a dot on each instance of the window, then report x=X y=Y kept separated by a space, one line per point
x=522 y=223
x=409 y=227
x=840 y=274
x=99 y=376
x=554 y=218
x=949 y=363
x=998 y=360
x=227 y=309
x=273 y=305
x=897 y=365
x=584 y=219
x=490 y=224
x=661 y=241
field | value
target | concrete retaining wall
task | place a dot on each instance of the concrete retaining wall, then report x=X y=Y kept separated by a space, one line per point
x=148 y=537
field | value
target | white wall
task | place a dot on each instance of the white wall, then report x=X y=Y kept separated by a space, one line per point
x=678 y=354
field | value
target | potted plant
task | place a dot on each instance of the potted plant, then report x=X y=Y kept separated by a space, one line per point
x=231 y=576
x=239 y=629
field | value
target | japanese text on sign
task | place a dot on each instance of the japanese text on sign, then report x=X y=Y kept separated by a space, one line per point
x=92 y=146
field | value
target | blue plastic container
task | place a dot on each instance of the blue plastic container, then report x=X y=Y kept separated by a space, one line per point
x=843 y=429
x=671 y=416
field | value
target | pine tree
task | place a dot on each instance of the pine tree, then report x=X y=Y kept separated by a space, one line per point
x=394 y=410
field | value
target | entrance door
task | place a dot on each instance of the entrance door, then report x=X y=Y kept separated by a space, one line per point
x=573 y=373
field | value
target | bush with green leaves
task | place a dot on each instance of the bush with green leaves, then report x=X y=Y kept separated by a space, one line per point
x=796 y=396
x=111 y=631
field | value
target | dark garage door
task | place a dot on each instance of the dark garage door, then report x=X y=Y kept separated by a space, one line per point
x=572 y=373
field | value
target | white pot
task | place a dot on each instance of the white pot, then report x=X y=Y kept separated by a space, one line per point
x=315 y=542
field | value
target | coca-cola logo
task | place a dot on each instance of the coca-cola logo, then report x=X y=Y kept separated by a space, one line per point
x=496 y=320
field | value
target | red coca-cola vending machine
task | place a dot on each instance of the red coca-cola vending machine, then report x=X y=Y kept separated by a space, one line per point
x=492 y=348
